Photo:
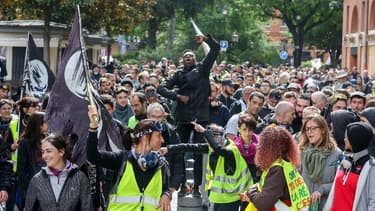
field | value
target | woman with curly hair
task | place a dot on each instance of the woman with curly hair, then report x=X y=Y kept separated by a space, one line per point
x=281 y=187
x=319 y=158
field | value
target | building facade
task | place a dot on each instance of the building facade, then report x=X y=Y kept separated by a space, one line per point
x=358 y=47
x=13 y=41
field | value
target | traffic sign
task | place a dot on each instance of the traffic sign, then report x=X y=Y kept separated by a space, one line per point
x=283 y=55
x=223 y=45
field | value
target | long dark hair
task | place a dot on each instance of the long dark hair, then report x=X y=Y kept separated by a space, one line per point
x=32 y=130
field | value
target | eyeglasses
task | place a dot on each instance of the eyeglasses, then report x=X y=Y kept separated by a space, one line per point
x=311 y=129
x=188 y=55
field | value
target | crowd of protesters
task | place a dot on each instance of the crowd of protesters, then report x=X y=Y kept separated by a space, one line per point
x=277 y=137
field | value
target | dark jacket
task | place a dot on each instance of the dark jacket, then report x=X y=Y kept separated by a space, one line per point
x=236 y=107
x=266 y=111
x=115 y=160
x=194 y=83
x=6 y=175
x=219 y=114
x=175 y=161
x=227 y=101
x=340 y=119
x=6 y=141
x=275 y=188
x=75 y=193
x=229 y=159
x=272 y=121
x=27 y=165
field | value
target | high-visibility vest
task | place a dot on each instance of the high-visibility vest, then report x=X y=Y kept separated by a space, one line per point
x=225 y=188
x=129 y=197
x=298 y=191
x=132 y=122
x=13 y=126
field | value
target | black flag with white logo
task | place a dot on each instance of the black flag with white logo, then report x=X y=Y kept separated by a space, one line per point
x=38 y=77
x=68 y=103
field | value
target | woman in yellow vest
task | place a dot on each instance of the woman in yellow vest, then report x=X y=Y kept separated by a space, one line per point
x=142 y=182
x=281 y=187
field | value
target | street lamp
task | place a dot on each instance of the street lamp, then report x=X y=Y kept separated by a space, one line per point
x=298 y=18
x=225 y=13
x=235 y=37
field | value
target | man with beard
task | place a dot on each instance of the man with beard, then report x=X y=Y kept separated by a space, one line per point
x=303 y=101
x=227 y=89
x=193 y=88
x=219 y=113
x=284 y=116
x=139 y=104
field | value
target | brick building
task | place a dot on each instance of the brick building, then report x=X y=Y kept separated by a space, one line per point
x=359 y=39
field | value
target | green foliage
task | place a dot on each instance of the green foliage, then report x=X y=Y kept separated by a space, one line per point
x=7 y=9
x=300 y=16
x=240 y=19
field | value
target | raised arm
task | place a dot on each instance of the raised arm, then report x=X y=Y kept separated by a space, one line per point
x=209 y=60
x=106 y=159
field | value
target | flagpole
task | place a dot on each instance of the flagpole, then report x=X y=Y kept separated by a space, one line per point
x=26 y=78
x=85 y=65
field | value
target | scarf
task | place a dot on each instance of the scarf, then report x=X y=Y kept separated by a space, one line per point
x=315 y=160
x=122 y=113
x=247 y=150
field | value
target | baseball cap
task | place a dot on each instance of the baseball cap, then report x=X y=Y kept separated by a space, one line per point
x=227 y=82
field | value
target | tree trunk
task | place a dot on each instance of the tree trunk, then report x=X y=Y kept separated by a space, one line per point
x=171 y=30
x=46 y=35
x=152 y=29
x=298 y=41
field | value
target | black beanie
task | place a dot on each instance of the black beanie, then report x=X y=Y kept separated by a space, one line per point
x=359 y=135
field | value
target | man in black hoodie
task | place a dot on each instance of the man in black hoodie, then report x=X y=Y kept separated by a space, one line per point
x=193 y=88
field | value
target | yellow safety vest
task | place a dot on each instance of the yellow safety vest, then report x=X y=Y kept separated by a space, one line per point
x=13 y=126
x=225 y=188
x=129 y=197
x=298 y=191
x=132 y=122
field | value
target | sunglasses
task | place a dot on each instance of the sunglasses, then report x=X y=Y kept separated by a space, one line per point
x=121 y=89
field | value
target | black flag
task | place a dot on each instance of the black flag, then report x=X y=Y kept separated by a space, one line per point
x=67 y=107
x=38 y=77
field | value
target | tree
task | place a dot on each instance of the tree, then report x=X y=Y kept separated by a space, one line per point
x=49 y=10
x=7 y=10
x=166 y=10
x=117 y=16
x=241 y=19
x=300 y=17
x=328 y=37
